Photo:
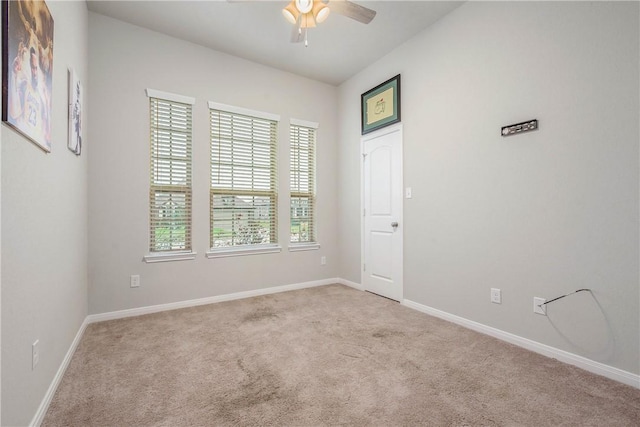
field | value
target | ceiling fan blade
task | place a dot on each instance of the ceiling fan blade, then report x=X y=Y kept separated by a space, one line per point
x=352 y=10
x=297 y=35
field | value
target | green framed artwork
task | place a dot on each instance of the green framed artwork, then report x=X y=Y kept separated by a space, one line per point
x=380 y=106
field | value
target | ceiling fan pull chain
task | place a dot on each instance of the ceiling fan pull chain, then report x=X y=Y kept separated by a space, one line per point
x=306 y=41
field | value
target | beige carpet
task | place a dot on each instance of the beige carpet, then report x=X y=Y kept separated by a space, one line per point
x=323 y=356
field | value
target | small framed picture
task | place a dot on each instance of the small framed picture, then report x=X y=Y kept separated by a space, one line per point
x=75 y=113
x=380 y=106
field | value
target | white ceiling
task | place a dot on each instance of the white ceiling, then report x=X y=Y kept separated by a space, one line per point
x=256 y=30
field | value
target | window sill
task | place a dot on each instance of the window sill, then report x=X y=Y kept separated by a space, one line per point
x=171 y=256
x=298 y=247
x=243 y=250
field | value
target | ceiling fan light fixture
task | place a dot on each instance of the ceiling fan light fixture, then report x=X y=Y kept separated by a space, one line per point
x=304 y=6
x=308 y=21
x=291 y=12
x=320 y=11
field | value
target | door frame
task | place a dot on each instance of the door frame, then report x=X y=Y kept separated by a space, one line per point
x=363 y=140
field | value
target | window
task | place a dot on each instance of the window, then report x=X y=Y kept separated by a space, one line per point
x=302 y=181
x=170 y=190
x=243 y=196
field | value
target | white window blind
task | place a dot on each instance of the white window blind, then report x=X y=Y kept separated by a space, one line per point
x=243 y=196
x=170 y=191
x=302 y=163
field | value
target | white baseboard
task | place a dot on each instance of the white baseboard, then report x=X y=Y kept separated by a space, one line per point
x=44 y=405
x=564 y=356
x=208 y=300
x=349 y=283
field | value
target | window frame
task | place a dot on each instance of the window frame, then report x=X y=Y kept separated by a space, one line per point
x=255 y=248
x=173 y=254
x=311 y=194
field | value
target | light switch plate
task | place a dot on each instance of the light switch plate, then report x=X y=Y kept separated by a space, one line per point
x=407 y=192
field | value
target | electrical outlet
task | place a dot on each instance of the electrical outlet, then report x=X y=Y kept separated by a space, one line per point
x=135 y=281
x=537 y=307
x=35 y=354
x=496 y=296
x=323 y=260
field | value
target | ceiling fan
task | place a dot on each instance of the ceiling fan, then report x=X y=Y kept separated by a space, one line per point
x=304 y=14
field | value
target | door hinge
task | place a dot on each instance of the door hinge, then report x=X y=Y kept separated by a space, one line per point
x=364 y=212
x=364 y=267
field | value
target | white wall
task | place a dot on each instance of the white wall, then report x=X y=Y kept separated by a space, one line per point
x=1 y=110
x=124 y=61
x=44 y=235
x=538 y=214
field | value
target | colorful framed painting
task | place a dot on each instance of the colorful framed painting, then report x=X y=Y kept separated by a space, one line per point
x=27 y=69
x=380 y=106
x=75 y=113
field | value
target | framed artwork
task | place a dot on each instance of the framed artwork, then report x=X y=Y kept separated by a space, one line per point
x=75 y=113
x=380 y=106
x=27 y=69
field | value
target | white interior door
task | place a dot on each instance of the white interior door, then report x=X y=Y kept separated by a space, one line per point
x=382 y=212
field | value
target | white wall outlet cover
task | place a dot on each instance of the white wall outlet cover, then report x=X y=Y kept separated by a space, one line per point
x=135 y=281
x=538 y=308
x=35 y=354
x=496 y=296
